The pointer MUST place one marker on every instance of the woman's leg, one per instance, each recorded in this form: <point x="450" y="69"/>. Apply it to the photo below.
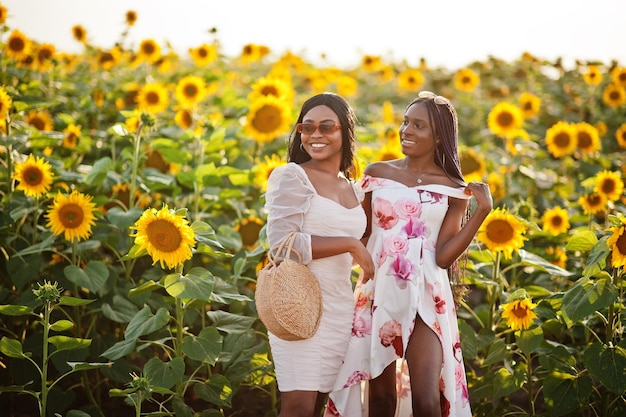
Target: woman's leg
<point x="424" y="358"/>
<point x="382" y="393"/>
<point x="298" y="404"/>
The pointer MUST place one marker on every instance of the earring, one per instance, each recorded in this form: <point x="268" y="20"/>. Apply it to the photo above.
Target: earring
<point x="302" y="147"/>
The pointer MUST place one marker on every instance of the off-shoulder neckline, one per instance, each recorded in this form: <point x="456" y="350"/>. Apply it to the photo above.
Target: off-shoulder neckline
<point x="303" y="171"/>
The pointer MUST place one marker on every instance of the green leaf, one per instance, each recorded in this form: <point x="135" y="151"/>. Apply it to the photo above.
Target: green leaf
<point x="145" y="322"/>
<point x="596" y="261"/>
<point x="226" y="293"/>
<point x="582" y="241"/>
<point x="229" y="322"/>
<point x="85" y="366"/>
<point x="61" y="325"/>
<point x="73" y="301"/>
<point x="608" y="364"/>
<point x="216" y="390"/>
<point x="122" y="310"/>
<point x="120" y="349"/>
<point x="146" y="287"/>
<point x="43" y="246"/>
<point x="497" y="353"/>
<point x="588" y="296"/>
<point x="530" y="259"/>
<point x="164" y="374"/>
<point x="12" y="348"/>
<point x="205" y="347"/>
<point x="69" y="343"/>
<point x="506" y="383"/>
<point x="93" y="277"/>
<point x="196" y="284"/>
<point x="14" y="310"/>
<point x="530" y="339"/>
<point x="123" y="219"/>
<point x="99" y="171"/>
<point x="564" y="392"/>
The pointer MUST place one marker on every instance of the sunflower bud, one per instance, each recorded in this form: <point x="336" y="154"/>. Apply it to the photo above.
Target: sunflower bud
<point x="48" y="292"/>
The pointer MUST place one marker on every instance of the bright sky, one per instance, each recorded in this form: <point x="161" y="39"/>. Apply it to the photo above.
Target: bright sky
<point x="449" y="33"/>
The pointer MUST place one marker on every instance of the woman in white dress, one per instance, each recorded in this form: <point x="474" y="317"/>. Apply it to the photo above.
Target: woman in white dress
<point x="405" y="340"/>
<point x="313" y="195"/>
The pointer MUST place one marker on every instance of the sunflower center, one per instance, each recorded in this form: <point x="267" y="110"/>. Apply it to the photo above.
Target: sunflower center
<point x="269" y="91"/>
<point x="191" y="90"/>
<point x="267" y="119"/>
<point x="500" y="231"/>
<point x="17" y="44"/>
<point x="621" y="243"/>
<point x="152" y="97"/>
<point x="164" y="235"/>
<point x="608" y="186"/>
<point x="557" y="221"/>
<point x="33" y="176"/>
<point x="520" y="311"/>
<point x="148" y="48"/>
<point x="71" y="215"/>
<point x="584" y="140"/>
<point x="38" y="123"/>
<point x="505" y="119"/>
<point x="203" y="52"/>
<point x="562" y="140"/>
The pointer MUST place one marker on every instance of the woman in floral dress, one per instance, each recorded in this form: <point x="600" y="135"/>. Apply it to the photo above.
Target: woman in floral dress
<point x="404" y="356"/>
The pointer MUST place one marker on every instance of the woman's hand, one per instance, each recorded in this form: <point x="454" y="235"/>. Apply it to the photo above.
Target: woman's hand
<point x="481" y="192"/>
<point x="362" y="257"/>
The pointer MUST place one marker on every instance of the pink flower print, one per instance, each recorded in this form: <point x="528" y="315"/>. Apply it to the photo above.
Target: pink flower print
<point x="396" y="245"/>
<point x="355" y="378"/>
<point x="390" y="334"/>
<point x="386" y="216"/>
<point x="415" y="228"/>
<point x="458" y="354"/>
<point x="362" y="323"/>
<point x="429" y="197"/>
<point x="382" y="256"/>
<point x="364" y="183"/>
<point x="406" y="208"/>
<point x="402" y="269"/>
<point x="403" y="381"/>
<point x="438" y="299"/>
<point x="331" y="409"/>
<point x="443" y="401"/>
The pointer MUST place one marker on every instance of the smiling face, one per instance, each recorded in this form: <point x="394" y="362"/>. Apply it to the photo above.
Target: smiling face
<point x="416" y="132"/>
<point x="320" y="145"/>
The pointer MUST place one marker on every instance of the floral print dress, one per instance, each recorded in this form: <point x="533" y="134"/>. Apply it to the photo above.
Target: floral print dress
<point x="408" y="282"/>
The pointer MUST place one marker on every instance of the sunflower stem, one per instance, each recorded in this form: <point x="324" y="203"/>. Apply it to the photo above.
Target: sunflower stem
<point x="494" y="290"/>
<point x="44" y="365"/>
<point x="178" y="348"/>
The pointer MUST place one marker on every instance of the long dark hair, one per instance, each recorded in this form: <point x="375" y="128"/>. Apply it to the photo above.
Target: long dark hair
<point x="347" y="119"/>
<point x="444" y="124"/>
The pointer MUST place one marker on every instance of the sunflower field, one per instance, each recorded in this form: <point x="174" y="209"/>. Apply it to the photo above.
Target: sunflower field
<point x="131" y="223"/>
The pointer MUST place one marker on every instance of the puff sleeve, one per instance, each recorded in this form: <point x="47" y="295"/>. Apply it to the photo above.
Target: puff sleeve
<point x="287" y="200"/>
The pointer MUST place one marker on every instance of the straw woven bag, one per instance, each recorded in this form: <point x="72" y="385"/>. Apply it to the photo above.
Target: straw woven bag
<point x="288" y="295"/>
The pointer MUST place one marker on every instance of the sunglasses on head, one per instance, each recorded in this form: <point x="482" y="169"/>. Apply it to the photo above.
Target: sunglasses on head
<point x="325" y="128"/>
<point x="437" y="99"/>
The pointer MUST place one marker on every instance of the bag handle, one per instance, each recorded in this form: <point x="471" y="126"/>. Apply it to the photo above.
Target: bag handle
<point x="285" y="245"/>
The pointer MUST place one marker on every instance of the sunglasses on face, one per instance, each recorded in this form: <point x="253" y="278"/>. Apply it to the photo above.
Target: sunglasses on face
<point x="430" y="95"/>
<point x="325" y="128"/>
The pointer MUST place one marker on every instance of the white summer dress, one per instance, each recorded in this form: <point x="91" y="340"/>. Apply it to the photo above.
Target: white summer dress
<point x="293" y="204"/>
<point x="405" y="226"/>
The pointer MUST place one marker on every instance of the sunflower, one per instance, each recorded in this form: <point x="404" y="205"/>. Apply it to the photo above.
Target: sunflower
<point x="557" y="256"/>
<point x="519" y="314"/>
<point x="593" y="203"/>
<point x="183" y="118"/>
<point x="502" y="232"/>
<point x="618" y="75"/>
<point x="149" y="51"/>
<point x="249" y="229"/>
<point x="496" y="185"/>
<point x="530" y="105"/>
<point x="129" y="99"/>
<point x="43" y="57"/>
<point x="80" y="34"/>
<point x="505" y="120"/>
<point x="109" y="59"/>
<point x="18" y="46"/>
<point x="410" y="80"/>
<point x="268" y="117"/>
<point x="250" y="53"/>
<point x="617" y="241"/>
<point x="609" y="184"/>
<point x="526" y="209"/>
<point x="587" y="138"/>
<point x="203" y="55"/>
<point x="5" y="104"/>
<point x="620" y="135"/>
<point x="614" y="95"/>
<point x="190" y="90"/>
<point x="601" y="127"/>
<point x="34" y="176"/>
<point x="593" y="76"/>
<point x="472" y="165"/>
<point x="271" y="86"/>
<point x="264" y="169"/>
<point x="466" y="80"/>
<point x="371" y="63"/>
<point x="72" y="133"/>
<point x="153" y="98"/>
<point x="347" y="86"/>
<point x="3" y="14"/>
<point x="386" y="73"/>
<point x="72" y="215"/>
<point x="561" y="139"/>
<point x="166" y="236"/>
<point x="40" y="120"/>
<point x="131" y="17"/>
<point x="555" y="221"/>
